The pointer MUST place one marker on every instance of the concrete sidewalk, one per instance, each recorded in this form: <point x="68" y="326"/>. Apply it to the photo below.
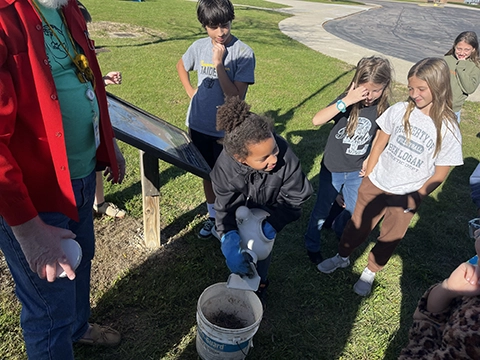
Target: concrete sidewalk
<point x="306" y="26"/>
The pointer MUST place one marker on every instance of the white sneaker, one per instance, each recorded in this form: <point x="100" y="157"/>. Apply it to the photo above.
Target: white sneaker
<point x="363" y="286"/>
<point x="206" y="230"/>
<point x="330" y="265"/>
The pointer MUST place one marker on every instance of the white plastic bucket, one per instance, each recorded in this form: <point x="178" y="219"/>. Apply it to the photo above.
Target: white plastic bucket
<point x="219" y="343"/>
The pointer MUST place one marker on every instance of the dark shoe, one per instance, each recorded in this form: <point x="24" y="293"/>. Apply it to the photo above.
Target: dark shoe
<point x="101" y="336"/>
<point x="262" y="293"/>
<point x="206" y="230"/>
<point x="315" y="257"/>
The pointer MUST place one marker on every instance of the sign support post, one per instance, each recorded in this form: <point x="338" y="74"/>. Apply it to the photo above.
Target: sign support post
<point x="150" y="174"/>
<point x="156" y="139"/>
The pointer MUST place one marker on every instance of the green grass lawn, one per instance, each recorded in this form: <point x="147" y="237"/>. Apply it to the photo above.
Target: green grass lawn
<point x="310" y="315"/>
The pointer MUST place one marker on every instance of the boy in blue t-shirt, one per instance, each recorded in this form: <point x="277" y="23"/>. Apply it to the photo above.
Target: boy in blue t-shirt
<point x="225" y="67"/>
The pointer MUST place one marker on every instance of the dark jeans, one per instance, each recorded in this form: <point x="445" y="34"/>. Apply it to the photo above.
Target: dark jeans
<point x="55" y="314"/>
<point x="329" y="185"/>
<point x="207" y="145"/>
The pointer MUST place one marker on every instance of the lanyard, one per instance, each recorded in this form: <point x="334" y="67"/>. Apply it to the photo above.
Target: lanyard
<point x="84" y="72"/>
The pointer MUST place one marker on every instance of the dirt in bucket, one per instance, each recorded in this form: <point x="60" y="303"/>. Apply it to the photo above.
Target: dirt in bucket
<point x="228" y="321"/>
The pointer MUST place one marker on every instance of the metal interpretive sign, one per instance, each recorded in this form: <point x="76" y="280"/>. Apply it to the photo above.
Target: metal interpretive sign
<point x="155" y="136"/>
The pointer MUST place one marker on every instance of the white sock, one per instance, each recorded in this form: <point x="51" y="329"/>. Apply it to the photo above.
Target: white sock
<point x="344" y="258"/>
<point x="211" y="210"/>
<point x="368" y="275"/>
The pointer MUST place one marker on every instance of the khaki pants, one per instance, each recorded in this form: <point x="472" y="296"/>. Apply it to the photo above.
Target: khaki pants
<point x="373" y="204"/>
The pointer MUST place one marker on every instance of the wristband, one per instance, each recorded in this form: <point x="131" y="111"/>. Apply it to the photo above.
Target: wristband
<point x="341" y="106"/>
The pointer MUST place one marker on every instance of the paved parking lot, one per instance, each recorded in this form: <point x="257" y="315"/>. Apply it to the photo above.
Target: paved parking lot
<point x="407" y="31"/>
<point x="403" y="32"/>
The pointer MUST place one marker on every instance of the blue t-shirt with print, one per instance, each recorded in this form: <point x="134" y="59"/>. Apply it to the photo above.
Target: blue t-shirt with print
<point x="239" y="65"/>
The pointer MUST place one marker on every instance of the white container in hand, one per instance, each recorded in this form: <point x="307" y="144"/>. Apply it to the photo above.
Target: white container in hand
<point x="73" y="252"/>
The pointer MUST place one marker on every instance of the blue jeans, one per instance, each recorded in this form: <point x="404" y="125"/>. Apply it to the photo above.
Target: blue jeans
<point x="329" y="186"/>
<point x="54" y="315"/>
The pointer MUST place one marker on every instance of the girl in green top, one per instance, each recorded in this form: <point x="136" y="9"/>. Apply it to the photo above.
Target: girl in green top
<point x="464" y="63"/>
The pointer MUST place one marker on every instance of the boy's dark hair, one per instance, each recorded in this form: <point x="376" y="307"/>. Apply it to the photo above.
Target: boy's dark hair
<point x="212" y="13"/>
<point x="242" y="127"/>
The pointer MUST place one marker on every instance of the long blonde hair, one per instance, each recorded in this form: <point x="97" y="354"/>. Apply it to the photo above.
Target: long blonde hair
<point x="470" y="37"/>
<point x="377" y="70"/>
<point x="435" y="72"/>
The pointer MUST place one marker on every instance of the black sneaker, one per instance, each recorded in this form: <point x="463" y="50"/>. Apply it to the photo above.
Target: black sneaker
<point x="262" y="293"/>
<point x="315" y="257"/>
<point x="206" y="230"/>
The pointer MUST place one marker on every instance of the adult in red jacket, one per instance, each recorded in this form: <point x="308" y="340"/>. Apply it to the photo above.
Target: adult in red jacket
<point x="54" y="131"/>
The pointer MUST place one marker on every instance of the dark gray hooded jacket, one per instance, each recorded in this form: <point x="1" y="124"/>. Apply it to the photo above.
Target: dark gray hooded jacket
<point x="280" y="192"/>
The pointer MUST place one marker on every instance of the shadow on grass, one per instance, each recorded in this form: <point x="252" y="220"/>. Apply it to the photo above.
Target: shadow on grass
<point x="310" y="315"/>
<point x="312" y="142"/>
<point x="157" y="40"/>
<point x="282" y="119"/>
<point x="433" y="247"/>
<point x="122" y="197"/>
<point x="254" y="29"/>
<point x="430" y="250"/>
<point x="154" y="304"/>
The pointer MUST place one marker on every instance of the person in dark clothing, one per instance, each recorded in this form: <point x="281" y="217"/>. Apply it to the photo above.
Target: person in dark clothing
<point x="256" y="169"/>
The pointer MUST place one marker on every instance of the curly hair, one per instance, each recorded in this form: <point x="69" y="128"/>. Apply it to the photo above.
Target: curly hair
<point x="242" y="127"/>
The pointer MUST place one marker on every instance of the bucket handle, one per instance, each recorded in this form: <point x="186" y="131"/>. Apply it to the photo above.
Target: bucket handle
<point x="239" y="347"/>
